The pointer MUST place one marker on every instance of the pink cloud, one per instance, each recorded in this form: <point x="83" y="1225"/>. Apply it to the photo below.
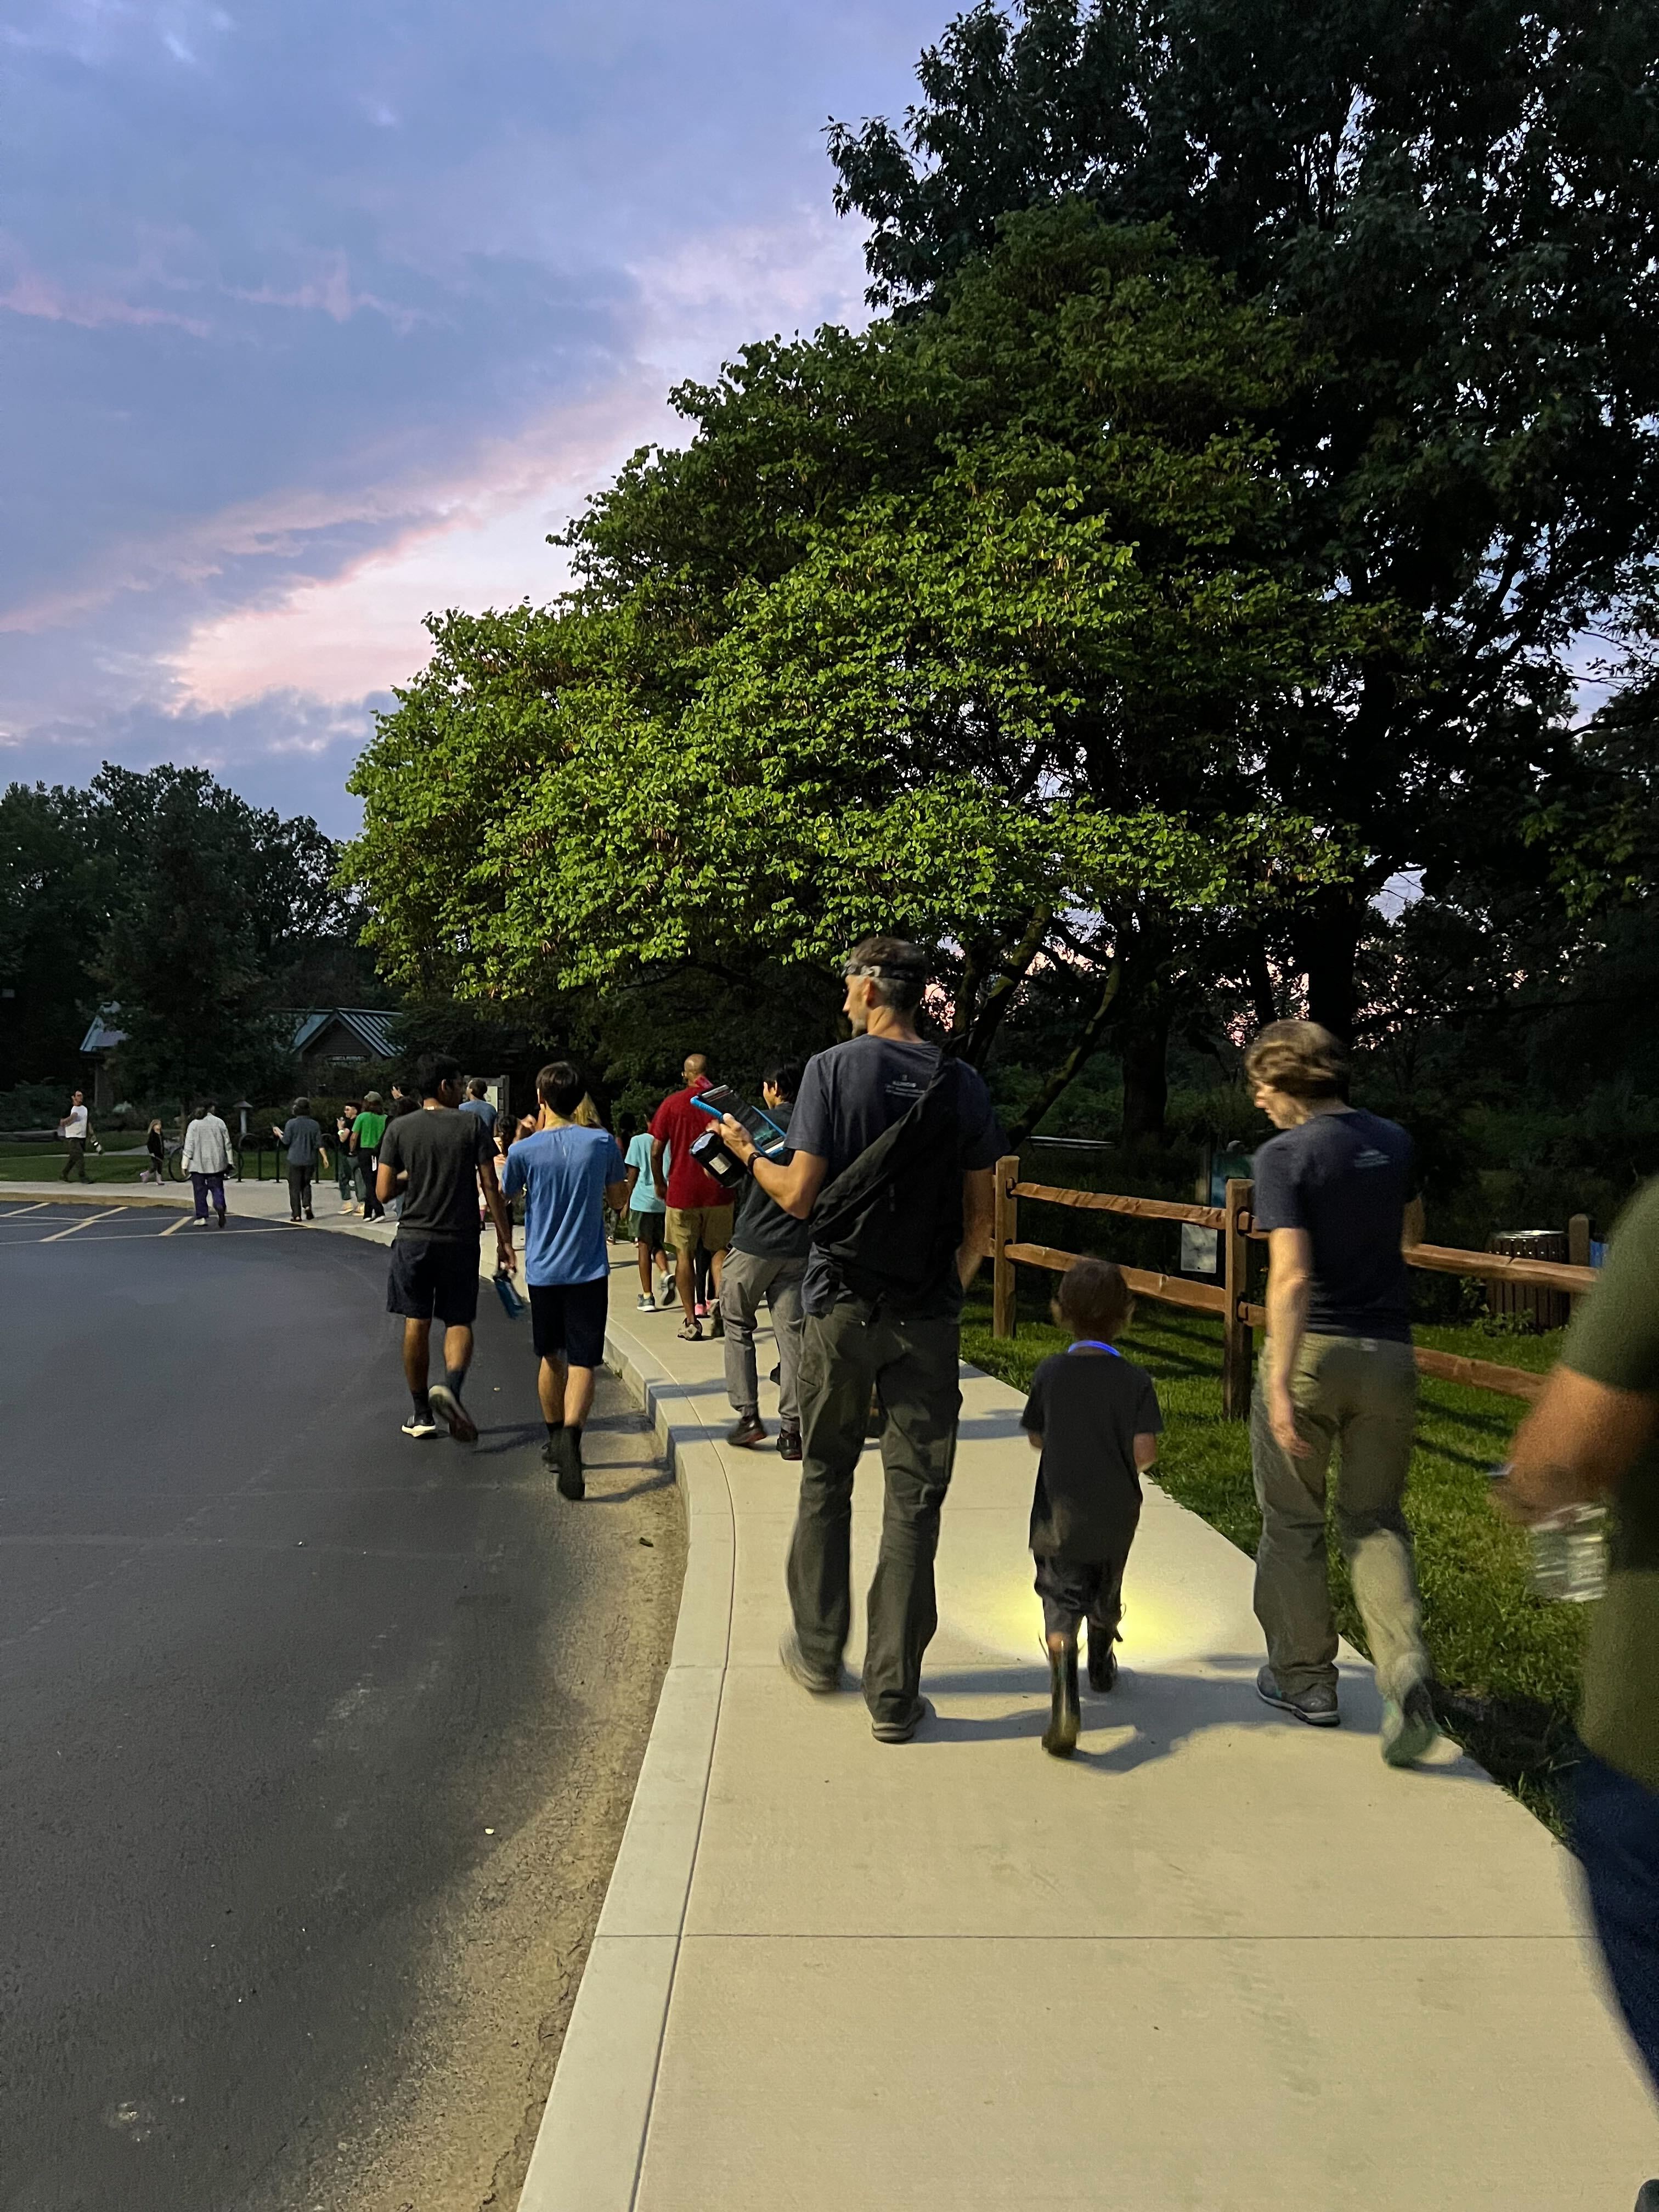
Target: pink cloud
<point x="331" y="293"/>
<point x="29" y="292"/>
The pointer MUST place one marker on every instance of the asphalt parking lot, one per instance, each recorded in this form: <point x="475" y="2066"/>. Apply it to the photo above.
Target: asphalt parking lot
<point x="315" y="1742"/>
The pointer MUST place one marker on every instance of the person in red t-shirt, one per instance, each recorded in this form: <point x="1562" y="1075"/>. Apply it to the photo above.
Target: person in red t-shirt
<point x="698" y="1209"/>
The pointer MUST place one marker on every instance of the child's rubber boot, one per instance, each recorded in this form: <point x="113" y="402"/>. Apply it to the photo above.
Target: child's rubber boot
<point x="1060" y="1740"/>
<point x="1102" y="1659"/>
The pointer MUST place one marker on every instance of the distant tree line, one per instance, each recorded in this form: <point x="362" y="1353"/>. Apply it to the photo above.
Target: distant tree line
<point x="202" y="918"/>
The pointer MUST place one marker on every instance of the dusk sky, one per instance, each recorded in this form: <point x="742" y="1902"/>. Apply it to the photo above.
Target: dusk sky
<point x="318" y="317"/>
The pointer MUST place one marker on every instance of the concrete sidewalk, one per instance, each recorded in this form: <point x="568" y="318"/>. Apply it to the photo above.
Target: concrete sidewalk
<point x="1218" y="1960"/>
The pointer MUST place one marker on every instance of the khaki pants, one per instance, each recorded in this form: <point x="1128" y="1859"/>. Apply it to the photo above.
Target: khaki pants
<point x="1358" y="1395"/>
<point x="913" y="1365"/>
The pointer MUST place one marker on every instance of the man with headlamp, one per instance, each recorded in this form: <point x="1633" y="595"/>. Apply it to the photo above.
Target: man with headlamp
<point x="894" y="1147"/>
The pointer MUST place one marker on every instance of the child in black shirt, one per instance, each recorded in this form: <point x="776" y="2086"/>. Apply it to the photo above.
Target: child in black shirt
<point x="1095" y="1419"/>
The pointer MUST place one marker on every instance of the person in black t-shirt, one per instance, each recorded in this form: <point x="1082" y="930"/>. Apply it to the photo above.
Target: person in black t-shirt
<point x="1335" y="1192"/>
<point x="850" y="1096"/>
<point x="766" y="1260"/>
<point x="1095" y="1418"/>
<point x="439" y="1159"/>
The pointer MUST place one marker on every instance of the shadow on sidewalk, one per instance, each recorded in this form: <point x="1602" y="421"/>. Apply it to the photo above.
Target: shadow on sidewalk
<point x="1163" y="1710"/>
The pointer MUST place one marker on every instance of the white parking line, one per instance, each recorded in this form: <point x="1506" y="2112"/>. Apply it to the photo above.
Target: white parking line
<point x="183" y="1222"/>
<point x="12" y="1211"/>
<point x="58" y="1235"/>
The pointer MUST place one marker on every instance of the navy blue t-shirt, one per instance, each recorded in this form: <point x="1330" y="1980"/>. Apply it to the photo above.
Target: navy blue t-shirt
<point x="853" y="1094"/>
<point x="1345" y="1178"/>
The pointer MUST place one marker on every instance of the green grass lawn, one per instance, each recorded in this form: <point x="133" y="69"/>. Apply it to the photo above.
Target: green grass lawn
<point x="1506" y="1665"/>
<point x="41" y="1162"/>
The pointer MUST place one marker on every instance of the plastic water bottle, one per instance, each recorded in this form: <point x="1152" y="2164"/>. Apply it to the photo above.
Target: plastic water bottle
<point x="1570" y="1553"/>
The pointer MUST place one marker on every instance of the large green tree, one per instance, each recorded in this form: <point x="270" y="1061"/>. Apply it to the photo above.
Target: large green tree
<point x="975" y="627"/>
<point x="1460" y="207"/>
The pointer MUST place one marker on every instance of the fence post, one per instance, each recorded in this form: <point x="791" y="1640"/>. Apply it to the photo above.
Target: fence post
<point x="1004" y="1233"/>
<point x="1236" y="1342"/>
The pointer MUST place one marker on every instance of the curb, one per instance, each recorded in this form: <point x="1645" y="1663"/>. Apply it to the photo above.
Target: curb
<point x="591" y="2142"/>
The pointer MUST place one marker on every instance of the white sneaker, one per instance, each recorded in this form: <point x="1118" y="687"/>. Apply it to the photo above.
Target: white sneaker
<point x="647" y="1303"/>
<point x="670" y="1296"/>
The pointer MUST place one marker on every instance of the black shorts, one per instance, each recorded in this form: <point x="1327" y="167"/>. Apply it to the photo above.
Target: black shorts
<point x="647" y="1229"/>
<point x="567" y="1320"/>
<point x="434" y="1278"/>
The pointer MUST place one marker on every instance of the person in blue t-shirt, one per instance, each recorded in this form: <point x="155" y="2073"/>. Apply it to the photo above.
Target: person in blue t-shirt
<point x="647" y="1220"/>
<point x="568" y="1175"/>
<point x="1336" y="1193"/>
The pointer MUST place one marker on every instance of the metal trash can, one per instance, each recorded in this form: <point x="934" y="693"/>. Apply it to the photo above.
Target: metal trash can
<point x="1548" y="1308"/>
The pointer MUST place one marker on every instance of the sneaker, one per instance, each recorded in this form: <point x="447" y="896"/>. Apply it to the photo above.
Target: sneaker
<point x="563" y="1454"/>
<point x="200" y="1222"/>
<point x="1060" y="1737"/>
<point x="901" y="1731"/>
<point x="645" y="1302"/>
<point x="749" y="1429"/>
<point x="1103" y="1662"/>
<point x="419" y="1425"/>
<point x="222" y="1221"/>
<point x="449" y="1409"/>
<point x="716" y="1322"/>
<point x="820" y="1681"/>
<point x="1409" y="1729"/>
<point x="788" y="1443"/>
<point x="701" y="1308"/>
<point x="670" y="1296"/>
<point x="1647" y="2197"/>
<point x="1316" y="1707"/>
<point x="692" y="1333"/>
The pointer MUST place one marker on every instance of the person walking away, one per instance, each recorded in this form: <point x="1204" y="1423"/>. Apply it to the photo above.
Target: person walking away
<point x="697" y="1207"/>
<point x="344" y="1165"/>
<point x="301" y="1139"/>
<point x="1334" y="1191"/>
<point x="366" y="1132"/>
<point x="766" y="1260"/>
<point x="1095" y="1419"/>
<point x="646" y="1223"/>
<point x="477" y="1101"/>
<point x="75" y="1128"/>
<point x="440" y="1157"/>
<point x="156" y="1144"/>
<point x="568" y="1175"/>
<point x="894" y="1153"/>
<point x="205" y="1157"/>
<point x="1591" y="1438"/>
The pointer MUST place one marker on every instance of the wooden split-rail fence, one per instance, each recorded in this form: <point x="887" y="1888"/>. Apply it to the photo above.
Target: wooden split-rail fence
<point x="1227" y="1299"/>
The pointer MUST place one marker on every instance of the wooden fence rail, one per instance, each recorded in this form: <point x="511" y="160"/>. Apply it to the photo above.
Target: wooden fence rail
<point x="1227" y="1299"/>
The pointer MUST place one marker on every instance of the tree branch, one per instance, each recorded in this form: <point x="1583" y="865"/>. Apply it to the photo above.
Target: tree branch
<point x="1074" y="1062"/>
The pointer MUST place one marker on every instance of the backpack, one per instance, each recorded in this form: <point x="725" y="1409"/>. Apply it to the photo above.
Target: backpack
<point x="890" y="1223"/>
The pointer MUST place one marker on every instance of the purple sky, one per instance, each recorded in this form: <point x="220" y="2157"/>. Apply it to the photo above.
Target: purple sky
<point x="316" y="317"/>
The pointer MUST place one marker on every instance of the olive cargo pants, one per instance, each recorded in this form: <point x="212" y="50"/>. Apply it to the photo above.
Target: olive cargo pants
<point x="1358" y="1395"/>
<point x="913" y="1366"/>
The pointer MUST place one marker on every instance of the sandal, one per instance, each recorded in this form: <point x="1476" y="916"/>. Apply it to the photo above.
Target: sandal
<point x="692" y="1333"/>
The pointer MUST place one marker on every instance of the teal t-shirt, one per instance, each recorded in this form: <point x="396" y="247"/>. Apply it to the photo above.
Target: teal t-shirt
<point x="646" y="1198"/>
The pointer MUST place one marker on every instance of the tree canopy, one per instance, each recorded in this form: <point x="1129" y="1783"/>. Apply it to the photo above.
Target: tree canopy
<point x="968" y="628"/>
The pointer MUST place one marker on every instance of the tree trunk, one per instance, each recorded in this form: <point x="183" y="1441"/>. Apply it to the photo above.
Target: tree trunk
<point x="1145" y="1053"/>
<point x="1261" y="983"/>
<point x="1327" y="943"/>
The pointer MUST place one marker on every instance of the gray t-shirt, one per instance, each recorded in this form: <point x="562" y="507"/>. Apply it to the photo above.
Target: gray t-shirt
<point x="849" y="1096"/>
<point x="442" y="1153"/>
<point x="1346" y="1179"/>
<point x="302" y="1140"/>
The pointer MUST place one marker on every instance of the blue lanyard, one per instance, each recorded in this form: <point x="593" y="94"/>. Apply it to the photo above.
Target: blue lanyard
<point x="1094" y="1343"/>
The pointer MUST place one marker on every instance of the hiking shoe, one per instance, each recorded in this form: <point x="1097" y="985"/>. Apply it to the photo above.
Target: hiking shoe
<point x="1316" y="1707"/>
<point x="819" y="1681"/>
<point x="749" y="1429"/>
<point x="449" y="1409"/>
<point x="788" y="1443"/>
<point x="1102" y="1660"/>
<point x="419" y="1425"/>
<point x="901" y="1731"/>
<point x="646" y="1302"/>
<point x="1409" y="1729"/>
<point x="1060" y="1737"/>
<point x="564" y="1455"/>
